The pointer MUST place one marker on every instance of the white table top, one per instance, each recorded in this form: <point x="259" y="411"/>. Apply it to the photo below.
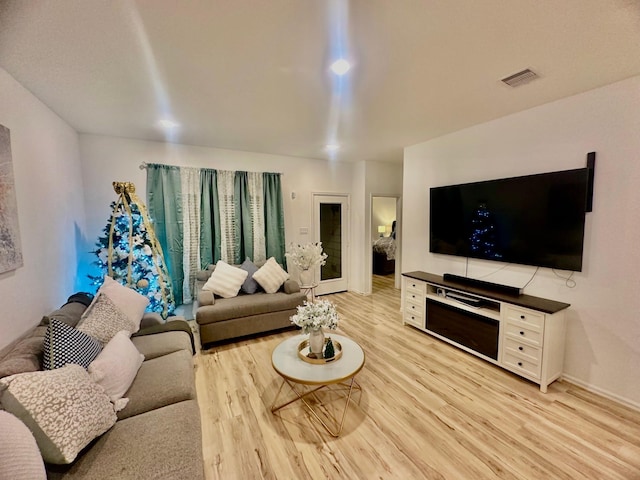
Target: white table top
<point x="286" y="362"/>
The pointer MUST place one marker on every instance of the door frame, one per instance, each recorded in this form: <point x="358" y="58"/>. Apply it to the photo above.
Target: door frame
<point x="324" y="286"/>
<point x="398" y="262"/>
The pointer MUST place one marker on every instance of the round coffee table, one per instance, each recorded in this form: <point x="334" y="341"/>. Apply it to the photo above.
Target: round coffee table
<point x="339" y="373"/>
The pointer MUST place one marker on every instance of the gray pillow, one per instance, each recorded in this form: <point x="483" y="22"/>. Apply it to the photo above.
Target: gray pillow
<point x="249" y="286"/>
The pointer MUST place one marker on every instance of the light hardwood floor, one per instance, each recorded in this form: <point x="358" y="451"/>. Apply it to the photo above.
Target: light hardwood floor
<point x="426" y="410"/>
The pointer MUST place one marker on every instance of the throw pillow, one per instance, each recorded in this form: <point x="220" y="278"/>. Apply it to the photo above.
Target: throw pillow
<point x="225" y="280"/>
<point x="64" y="409"/>
<point x="19" y="455"/>
<point x="271" y="276"/>
<point x="102" y="320"/>
<point x="130" y="302"/>
<point x="64" y="344"/>
<point x="116" y="367"/>
<point x="249" y="286"/>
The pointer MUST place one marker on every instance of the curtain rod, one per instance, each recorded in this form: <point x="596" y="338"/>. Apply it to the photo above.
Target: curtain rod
<point x="144" y="165"/>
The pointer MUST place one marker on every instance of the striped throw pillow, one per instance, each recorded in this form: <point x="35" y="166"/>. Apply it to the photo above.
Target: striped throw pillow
<point x="271" y="276"/>
<point x="225" y="281"/>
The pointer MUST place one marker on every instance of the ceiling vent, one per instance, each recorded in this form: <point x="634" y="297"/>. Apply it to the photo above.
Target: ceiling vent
<point x="520" y="78"/>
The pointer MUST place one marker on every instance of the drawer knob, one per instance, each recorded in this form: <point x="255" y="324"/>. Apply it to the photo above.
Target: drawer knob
<point x="519" y="364"/>
<point x="521" y="348"/>
<point x="413" y="296"/>
<point x="521" y="333"/>
<point x="522" y="317"/>
<point x="413" y="307"/>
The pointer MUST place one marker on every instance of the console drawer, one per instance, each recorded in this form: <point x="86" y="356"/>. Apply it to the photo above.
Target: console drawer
<point x="520" y="365"/>
<point x="413" y="297"/>
<point x="522" y="350"/>
<point x="524" y="317"/>
<point x="413" y="319"/>
<point x="523" y="334"/>
<point x="415" y="287"/>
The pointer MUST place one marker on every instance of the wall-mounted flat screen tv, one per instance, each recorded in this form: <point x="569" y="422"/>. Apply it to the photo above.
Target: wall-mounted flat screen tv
<point x="531" y="220"/>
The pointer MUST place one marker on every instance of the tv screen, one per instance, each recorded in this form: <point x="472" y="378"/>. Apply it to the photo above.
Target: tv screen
<point x="532" y="220"/>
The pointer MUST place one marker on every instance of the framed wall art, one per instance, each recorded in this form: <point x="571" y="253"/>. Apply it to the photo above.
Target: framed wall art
<point x="10" y="246"/>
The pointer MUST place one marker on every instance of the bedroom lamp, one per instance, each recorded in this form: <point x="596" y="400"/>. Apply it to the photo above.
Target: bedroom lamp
<point x="381" y="230"/>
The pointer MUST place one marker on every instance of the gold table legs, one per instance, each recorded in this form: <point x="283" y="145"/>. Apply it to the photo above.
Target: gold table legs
<point x="335" y="432"/>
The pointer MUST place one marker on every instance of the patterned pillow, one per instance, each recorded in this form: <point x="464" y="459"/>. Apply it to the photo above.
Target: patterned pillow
<point x="64" y="409"/>
<point x="271" y="276"/>
<point x="102" y="320"/>
<point x="249" y="286"/>
<point x="64" y="344"/>
<point x="225" y="281"/>
<point x="128" y="301"/>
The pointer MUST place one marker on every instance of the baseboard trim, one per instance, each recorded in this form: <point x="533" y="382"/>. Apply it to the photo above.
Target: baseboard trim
<point x="600" y="391"/>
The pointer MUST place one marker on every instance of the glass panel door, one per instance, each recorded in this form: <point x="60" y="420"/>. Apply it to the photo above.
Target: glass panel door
<point x="330" y="225"/>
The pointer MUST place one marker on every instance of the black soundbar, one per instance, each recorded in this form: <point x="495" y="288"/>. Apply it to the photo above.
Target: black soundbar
<point x="472" y="282"/>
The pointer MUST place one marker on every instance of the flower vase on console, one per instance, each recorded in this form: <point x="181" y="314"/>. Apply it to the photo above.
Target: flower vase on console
<point x="316" y="342"/>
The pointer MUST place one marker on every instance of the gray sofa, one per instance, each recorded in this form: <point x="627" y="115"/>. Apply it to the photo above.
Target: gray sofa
<point x="227" y="318"/>
<point x="158" y="433"/>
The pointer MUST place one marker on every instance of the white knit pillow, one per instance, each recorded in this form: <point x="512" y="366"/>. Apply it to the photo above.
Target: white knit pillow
<point x="225" y="281"/>
<point x="20" y="458"/>
<point x="271" y="276"/>
<point x="115" y="368"/>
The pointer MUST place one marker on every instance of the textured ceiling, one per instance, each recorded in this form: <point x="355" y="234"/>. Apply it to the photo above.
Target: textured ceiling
<point x="253" y="74"/>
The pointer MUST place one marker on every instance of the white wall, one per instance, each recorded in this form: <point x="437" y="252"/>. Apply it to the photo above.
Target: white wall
<point x="48" y="183"/>
<point x="603" y="336"/>
<point x="106" y="159"/>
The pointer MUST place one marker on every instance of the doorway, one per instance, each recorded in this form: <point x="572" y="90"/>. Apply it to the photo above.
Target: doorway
<point x="385" y="238"/>
<point x="331" y="227"/>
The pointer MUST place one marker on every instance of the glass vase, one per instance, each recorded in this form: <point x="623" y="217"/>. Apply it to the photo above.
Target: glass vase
<point x="316" y="342"/>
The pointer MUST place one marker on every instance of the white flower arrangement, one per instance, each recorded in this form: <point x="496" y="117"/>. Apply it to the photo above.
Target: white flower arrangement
<point x="306" y="256"/>
<point x="312" y="316"/>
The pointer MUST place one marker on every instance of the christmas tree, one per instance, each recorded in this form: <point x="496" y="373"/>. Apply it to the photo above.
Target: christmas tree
<point x="129" y="252"/>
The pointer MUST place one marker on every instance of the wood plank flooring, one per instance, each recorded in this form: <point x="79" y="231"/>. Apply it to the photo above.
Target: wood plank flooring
<point x="426" y="411"/>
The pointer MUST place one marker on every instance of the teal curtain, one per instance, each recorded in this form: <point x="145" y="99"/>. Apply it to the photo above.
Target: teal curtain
<point x="209" y="218"/>
<point x="274" y="217"/>
<point x="164" y="201"/>
<point x="243" y="213"/>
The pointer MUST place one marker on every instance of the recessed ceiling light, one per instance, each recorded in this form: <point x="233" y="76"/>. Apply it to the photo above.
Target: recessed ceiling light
<point x="340" y="67"/>
<point x="332" y="147"/>
<point x="167" y="124"/>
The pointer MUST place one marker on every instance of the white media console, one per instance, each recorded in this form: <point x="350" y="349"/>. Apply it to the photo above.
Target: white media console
<point x="520" y="333"/>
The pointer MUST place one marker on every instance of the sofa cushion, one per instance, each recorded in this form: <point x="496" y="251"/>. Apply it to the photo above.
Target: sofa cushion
<point x="149" y="389"/>
<point x="116" y="367"/>
<point x="162" y="444"/>
<point x="103" y="319"/>
<point x="64" y="344"/>
<point x="63" y="408"/>
<point x="250" y="286"/>
<point x="153" y="346"/>
<point x="248" y="305"/>
<point x="225" y="280"/>
<point x="20" y="458"/>
<point x="25" y="356"/>
<point x="271" y="276"/>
